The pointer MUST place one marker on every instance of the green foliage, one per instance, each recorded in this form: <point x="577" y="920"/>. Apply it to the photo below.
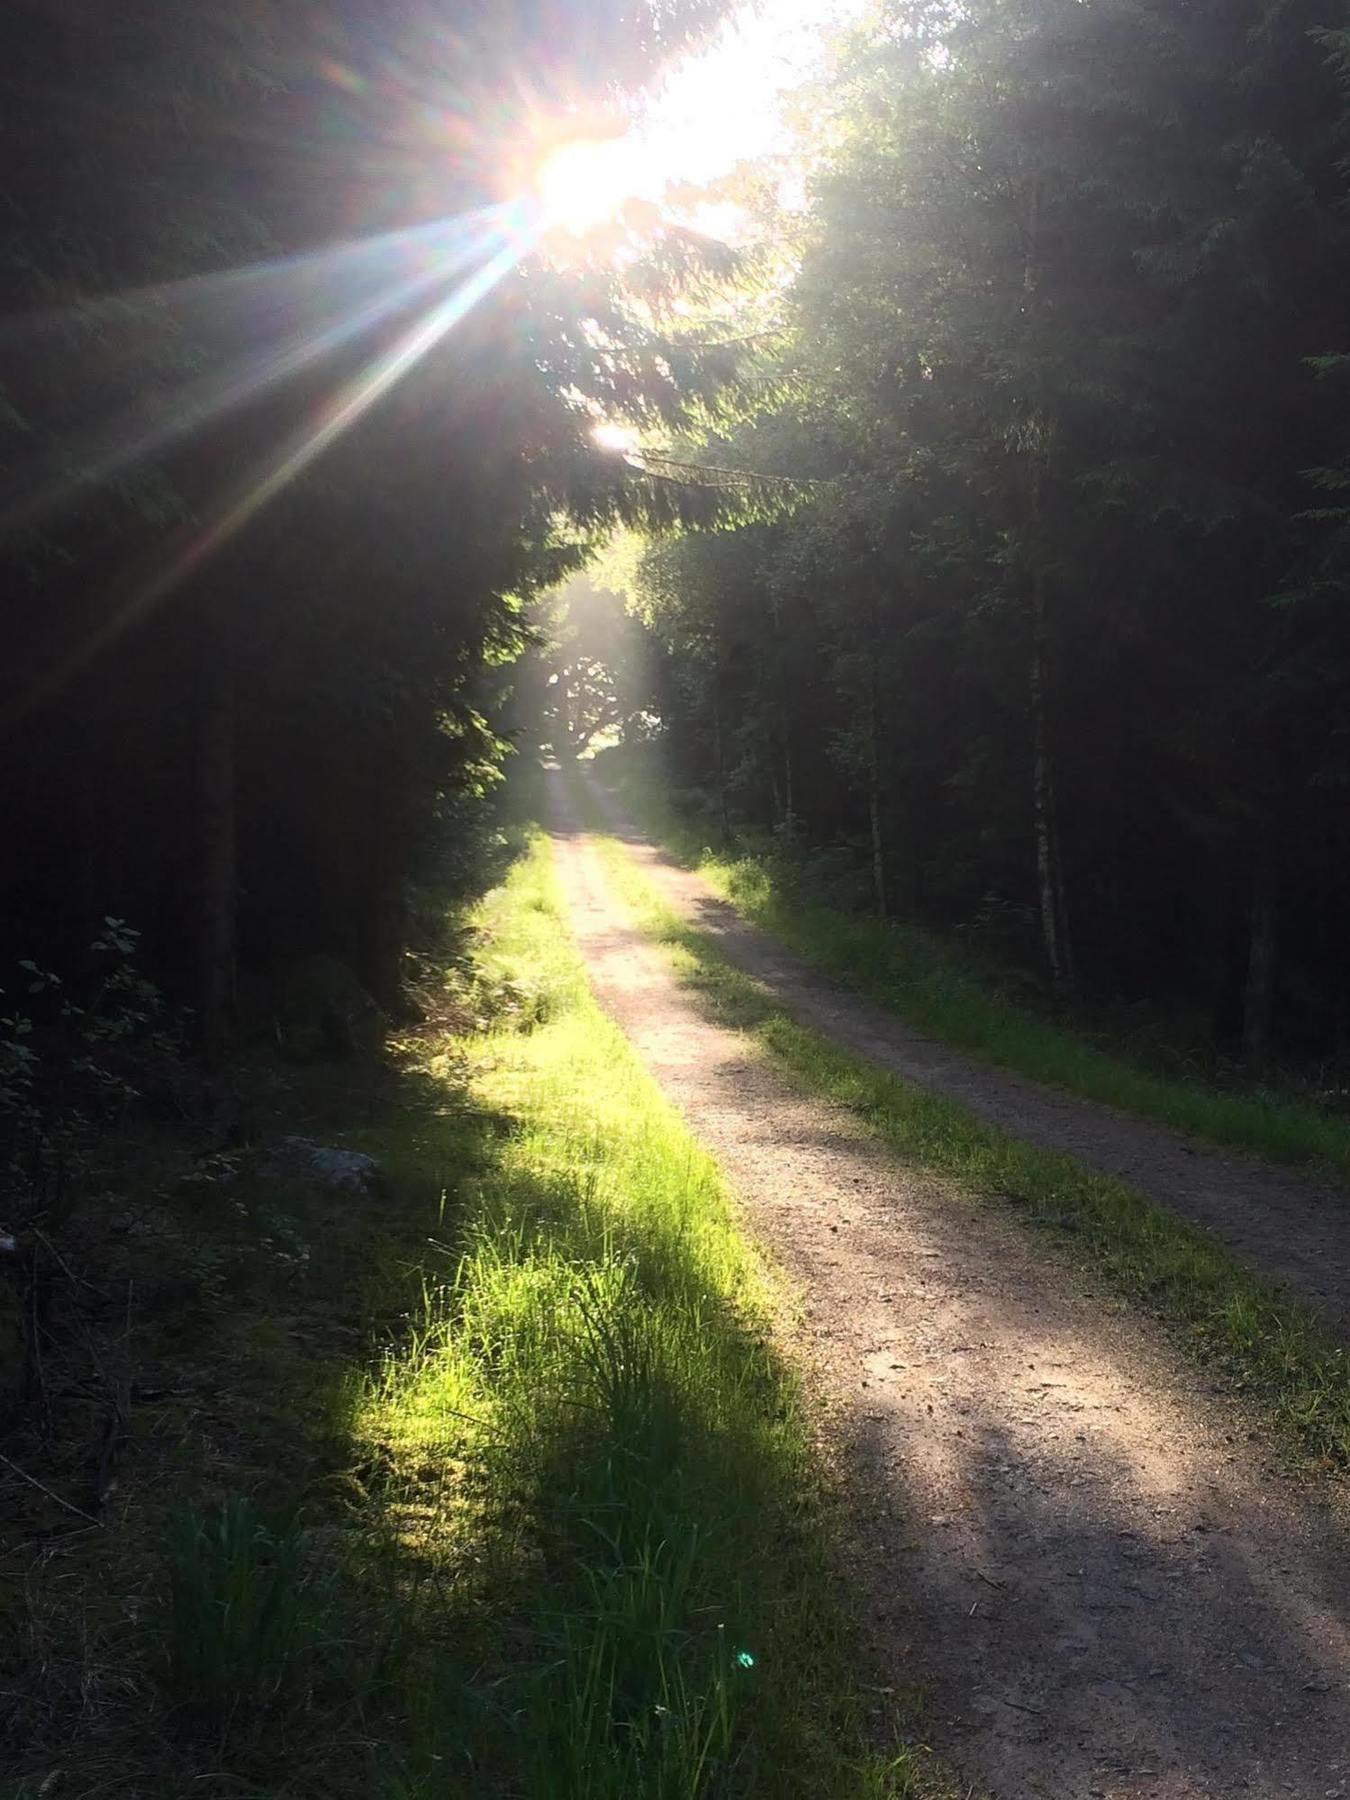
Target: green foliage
<point x="588" y="678"/>
<point x="206" y="252"/>
<point x="1056" y="625"/>
<point x="70" y="1054"/>
<point x="968" y="994"/>
<point x="597" y="1365"/>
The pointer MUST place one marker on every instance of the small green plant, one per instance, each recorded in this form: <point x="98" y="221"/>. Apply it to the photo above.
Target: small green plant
<point x="65" y="1067"/>
<point x="628" y="1709"/>
<point x="241" y="1617"/>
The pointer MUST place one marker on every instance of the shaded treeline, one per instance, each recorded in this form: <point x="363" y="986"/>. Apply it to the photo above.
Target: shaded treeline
<point x="1055" y="639"/>
<point x="244" y="752"/>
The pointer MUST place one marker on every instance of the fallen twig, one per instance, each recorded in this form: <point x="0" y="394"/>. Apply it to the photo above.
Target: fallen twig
<point x="50" y="1543"/>
<point x="74" y="1279"/>
<point x="42" y="1488"/>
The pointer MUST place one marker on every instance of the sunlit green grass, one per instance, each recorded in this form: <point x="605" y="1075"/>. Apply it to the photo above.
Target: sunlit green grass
<point x="934" y="987"/>
<point x="1268" y="1344"/>
<point x="631" y="1483"/>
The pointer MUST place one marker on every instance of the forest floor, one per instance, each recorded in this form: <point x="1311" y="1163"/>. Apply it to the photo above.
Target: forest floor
<point x="1099" y="1561"/>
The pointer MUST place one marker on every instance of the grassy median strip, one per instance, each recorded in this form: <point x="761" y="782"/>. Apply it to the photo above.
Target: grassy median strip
<point x="1268" y="1344"/>
<point x="625" y="1472"/>
<point x="934" y="987"/>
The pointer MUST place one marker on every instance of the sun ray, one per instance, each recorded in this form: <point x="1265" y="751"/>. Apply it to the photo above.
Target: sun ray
<point x="278" y="279"/>
<point x="354" y="399"/>
<point x="441" y="250"/>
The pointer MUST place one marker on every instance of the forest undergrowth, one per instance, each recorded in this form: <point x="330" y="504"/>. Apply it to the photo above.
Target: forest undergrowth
<point x="490" y="1484"/>
<point x="972" y="1003"/>
<point x="1266" y="1344"/>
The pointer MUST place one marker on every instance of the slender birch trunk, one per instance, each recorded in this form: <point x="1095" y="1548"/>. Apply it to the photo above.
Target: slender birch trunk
<point x="1047" y="877"/>
<point x="1259" y="997"/>
<point x="878" y="849"/>
<point x="874" y="778"/>
<point x="1049" y="862"/>
<point x="1049" y="872"/>
<point x="719" y="754"/>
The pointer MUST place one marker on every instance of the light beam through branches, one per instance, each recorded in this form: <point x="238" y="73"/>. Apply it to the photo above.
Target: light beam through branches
<point x="351" y="288"/>
<point x="514" y="234"/>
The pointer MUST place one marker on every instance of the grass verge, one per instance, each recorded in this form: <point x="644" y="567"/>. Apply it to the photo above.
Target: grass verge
<point x="1267" y="1344"/>
<point x="596" y="1359"/>
<point x="931" y="985"/>
<point x="565" y="1536"/>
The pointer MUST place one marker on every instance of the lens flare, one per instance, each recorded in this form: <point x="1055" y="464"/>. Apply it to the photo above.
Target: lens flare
<point x="584" y="183"/>
<point x="511" y="242"/>
<point x="347" y="291"/>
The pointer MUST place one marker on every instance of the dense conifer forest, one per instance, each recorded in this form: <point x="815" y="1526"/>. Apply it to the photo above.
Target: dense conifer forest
<point x="1038" y="616"/>
<point x="253" y="633"/>
<point x="1052" y="636"/>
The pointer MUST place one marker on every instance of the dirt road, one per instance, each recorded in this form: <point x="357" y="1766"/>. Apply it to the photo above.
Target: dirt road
<point x="1087" y="1558"/>
<point x="1283" y="1224"/>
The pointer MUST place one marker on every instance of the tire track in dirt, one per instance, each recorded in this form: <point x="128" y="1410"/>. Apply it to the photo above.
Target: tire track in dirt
<point x="1285" y="1226"/>
<point x="1090" y="1560"/>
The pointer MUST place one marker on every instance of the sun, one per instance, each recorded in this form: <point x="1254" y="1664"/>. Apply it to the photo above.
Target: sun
<point x="584" y="183"/>
<point x="619" y="440"/>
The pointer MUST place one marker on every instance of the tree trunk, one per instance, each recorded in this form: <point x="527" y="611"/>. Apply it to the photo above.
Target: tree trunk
<point x="874" y="786"/>
<point x="878" y="849"/>
<point x="216" y="823"/>
<point x="381" y="914"/>
<point x="563" y="748"/>
<point x="719" y="754"/>
<point x="1049" y="877"/>
<point x="1259" y="998"/>
<point x="382" y="932"/>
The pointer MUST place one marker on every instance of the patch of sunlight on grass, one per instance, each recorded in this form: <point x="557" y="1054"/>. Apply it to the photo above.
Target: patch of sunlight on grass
<point x="589" y="1437"/>
<point x="1267" y="1343"/>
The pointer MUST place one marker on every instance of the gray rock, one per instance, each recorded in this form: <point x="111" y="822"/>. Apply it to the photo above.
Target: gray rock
<point x="348" y="1171"/>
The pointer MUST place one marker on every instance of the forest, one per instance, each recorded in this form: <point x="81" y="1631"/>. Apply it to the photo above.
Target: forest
<point x="675" y="700"/>
<point x="1046" y="637"/>
<point x="1035" y="607"/>
<point x="212" y="268"/>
